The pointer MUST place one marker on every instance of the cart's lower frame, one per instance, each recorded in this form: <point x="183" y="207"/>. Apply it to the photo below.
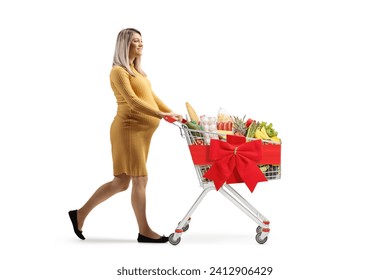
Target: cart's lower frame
<point x="233" y="196"/>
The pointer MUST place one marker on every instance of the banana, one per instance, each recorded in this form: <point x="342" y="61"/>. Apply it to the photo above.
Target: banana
<point x="275" y="139"/>
<point x="260" y="134"/>
<point x="263" y="134"/>
<point x="264" y="131"/>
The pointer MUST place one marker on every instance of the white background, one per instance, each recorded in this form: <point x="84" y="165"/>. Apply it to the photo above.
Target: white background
<point x="318" y="70"/>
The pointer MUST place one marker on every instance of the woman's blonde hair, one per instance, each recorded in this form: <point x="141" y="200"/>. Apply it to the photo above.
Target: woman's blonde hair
<point x="122" y="48"/>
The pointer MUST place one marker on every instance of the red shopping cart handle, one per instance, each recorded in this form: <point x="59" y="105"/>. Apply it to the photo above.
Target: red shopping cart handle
<point x="172" y="119"/>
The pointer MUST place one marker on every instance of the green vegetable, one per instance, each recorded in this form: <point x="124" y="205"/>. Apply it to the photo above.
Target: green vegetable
<point x="192" y="125"/>
<point x="271" y="131"/>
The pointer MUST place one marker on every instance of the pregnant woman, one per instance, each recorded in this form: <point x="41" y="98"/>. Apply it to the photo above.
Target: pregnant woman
<point x="138" y="116"/>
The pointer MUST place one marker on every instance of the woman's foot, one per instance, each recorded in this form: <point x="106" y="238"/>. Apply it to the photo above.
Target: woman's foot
<point x="150" y="236"/>
<point x="73" y="218"/>
<point x="144" y="239"/>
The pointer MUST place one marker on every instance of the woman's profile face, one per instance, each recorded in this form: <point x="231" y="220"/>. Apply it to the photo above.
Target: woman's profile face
<point x="136" y="45"/>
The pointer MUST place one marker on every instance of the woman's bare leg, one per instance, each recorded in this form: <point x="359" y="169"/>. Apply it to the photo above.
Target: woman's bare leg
<point x="118" y="184"/>
<point x="138" y="201"/>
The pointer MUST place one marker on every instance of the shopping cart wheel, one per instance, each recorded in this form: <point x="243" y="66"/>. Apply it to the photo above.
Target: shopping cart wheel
<point x="172" y="241"/>
<point x="259" y="229"/>
<point x="259" y="240"/>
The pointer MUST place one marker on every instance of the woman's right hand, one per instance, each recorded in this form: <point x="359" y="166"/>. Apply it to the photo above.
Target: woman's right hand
<point x="173" y="115"/>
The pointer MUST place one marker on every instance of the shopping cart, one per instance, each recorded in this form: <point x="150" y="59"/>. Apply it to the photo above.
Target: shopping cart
<point x="201" y="147"/>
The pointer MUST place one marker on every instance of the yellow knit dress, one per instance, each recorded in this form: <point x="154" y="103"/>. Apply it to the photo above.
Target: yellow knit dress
<point x="135" y="122"/>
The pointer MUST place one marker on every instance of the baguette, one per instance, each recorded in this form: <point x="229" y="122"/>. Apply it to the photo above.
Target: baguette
<point x="192" y="114"/>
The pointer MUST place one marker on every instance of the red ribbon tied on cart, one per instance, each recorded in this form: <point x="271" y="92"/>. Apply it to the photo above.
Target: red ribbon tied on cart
<point x="232" y="160"/>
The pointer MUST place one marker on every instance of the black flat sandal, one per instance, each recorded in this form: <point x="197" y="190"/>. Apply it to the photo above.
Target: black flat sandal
<point x="144" y="239"/>
<point x="73" y="218"/>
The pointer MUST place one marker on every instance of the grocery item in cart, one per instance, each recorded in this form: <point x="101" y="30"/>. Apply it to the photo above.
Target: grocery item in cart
<point x="224" y="123"/>
<point x="192" y="114"/>
<point x="209" y="125"/>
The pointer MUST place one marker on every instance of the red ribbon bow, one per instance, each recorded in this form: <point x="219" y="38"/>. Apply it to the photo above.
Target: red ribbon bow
<point x="231" y="160"/>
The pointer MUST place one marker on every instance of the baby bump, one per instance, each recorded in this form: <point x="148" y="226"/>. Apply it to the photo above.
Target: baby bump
<point x="135" y="124"/>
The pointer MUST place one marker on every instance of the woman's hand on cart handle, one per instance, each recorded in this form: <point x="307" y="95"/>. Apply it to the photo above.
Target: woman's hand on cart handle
<point x="171" y="116"/>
